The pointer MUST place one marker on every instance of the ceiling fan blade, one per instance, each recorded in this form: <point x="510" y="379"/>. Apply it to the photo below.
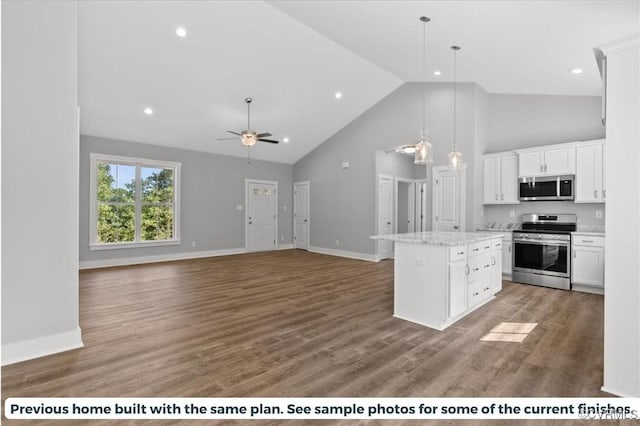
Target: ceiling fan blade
<point x="263" y="135"/>
<point x="234" y="133"/>
<point x="227" y="139"/>
<point x="268" y="140"/>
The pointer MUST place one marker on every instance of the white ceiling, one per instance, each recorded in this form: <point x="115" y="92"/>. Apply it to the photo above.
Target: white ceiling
<point x="292" y="56"/>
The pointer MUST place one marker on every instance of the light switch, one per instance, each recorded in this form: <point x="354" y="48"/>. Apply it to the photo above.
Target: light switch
<point x="239" y="207"/>
<point x="599" y="214"/>
<point x="419" y="261"/>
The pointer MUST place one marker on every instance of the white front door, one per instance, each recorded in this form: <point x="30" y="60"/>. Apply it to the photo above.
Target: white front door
<point x="261" y="215"/>
<point x="301" y="215"/>
<point x="385" y="214"/>
<point x="448" y="199"/>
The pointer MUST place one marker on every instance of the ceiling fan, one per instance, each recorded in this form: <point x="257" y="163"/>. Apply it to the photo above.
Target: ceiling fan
<point x="250" y="137"/>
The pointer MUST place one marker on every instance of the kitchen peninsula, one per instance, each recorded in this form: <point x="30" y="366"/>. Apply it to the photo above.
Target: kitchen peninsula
<point x="440" y="277"/>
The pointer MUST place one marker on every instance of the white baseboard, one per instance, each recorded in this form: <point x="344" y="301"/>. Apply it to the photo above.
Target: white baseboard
<point x="617" y="393"/>
<point x="41" y="346"/>
<point x="343" y="253"/>
<point x="587" y="289"/>
<point x="285" y="247"/>
<point x="90" y="264"/>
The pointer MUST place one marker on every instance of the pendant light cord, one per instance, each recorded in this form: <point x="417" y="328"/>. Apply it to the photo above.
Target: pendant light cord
<point x="455" y="94"/>
<point x="424" y="75"/>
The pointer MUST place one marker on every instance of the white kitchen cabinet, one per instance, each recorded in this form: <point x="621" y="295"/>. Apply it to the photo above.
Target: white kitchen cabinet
<point x="547" y="161"/>
<point x="497" y="248"/>
<point x="590" y="187"/>
<point x="507" y="260"/>
<point x="501" y="178"/>
<point x="587" y="261"/>
<point x="457" y="287"/>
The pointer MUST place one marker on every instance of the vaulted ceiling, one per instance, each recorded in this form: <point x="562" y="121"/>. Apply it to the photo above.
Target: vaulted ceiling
<point x="293" y="56"/>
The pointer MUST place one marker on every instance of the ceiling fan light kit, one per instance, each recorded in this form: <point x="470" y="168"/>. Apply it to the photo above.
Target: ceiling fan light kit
<point x="250" y="137"/>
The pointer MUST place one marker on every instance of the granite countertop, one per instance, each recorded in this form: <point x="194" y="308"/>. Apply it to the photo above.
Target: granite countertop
<point x="596" y="230"/>
<point x="500" y="227"/>
<point x="439" y="238"/>
<point x="595" y="234"/>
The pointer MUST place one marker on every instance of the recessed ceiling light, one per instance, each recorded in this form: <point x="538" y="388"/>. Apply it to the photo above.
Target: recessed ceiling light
<point x="436" y="72"/>
<point x="576" y="71"/>
<point x="148" y="111"/>
<point x="338" y="95"/>
<point x="285" y="140"/>
<point x="181" y="32"/>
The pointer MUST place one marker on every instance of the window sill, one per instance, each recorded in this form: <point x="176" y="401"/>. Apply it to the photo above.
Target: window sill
<point x="112" y="246"/>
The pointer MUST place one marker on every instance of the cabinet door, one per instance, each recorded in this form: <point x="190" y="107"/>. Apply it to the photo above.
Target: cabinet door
<point x="509" y="179"/>
<point x="588" y="266"/>
<point x="531" y="164"/>
<point x="496" y="270"/>
<point x="604" y="172"/>
<point x="561" y="161"/>
<point x="457" y="288"/>
<point x="589" y="174"/>
<point x="506" y="257"/>
<point x="492" y="180"/>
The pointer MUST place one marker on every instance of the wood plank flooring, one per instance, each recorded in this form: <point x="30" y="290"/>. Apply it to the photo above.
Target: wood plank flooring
<point x="292" y="323"/>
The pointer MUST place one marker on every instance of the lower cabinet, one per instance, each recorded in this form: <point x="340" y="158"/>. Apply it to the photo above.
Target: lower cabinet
<point x="587" y="261"/>
<point x="457" y="287"/>
<point x="497" y="255"/>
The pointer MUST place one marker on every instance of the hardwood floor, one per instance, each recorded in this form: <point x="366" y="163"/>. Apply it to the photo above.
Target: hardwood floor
<point x="292" y="323"/>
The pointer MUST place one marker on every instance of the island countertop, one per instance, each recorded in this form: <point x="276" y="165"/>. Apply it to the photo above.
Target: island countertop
<point x="439" y="238"/>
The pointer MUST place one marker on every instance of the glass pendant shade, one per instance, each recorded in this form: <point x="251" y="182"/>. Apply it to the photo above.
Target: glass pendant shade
<point x="455" y="159"/>
<point x="424" y="150"/>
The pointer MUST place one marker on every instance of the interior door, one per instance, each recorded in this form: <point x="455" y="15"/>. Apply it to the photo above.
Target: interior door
<point x="385" y="215"/>
<point x="301" y="215"/>
<point x="448" y="199"/>
<point x="261" y="216"/>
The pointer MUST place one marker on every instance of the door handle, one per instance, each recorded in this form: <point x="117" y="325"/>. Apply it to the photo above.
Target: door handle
<point x="502" y="197"/>
<point x="305" y="221"/>
<point x="250" y="222"/>
<point x="455" y="226"/>
<point x="493" y="260"/>
<point x="466" y="269"/>
<point x="604" y="194"/>
<point x="595" y="193"/>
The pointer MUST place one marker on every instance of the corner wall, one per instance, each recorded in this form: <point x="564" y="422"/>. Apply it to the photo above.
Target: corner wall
<point x="39" y="179"/>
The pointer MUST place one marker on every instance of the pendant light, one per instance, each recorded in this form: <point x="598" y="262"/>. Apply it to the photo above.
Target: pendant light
<point x="424" y="149"/>
<point x="455" y="156"/>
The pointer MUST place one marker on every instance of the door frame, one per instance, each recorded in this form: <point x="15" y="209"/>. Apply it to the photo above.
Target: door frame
<point x="308" y="183"/>
<point x="395" y="200"/>
<point x="377" y="212"/>
<point x="246" y="210"/>
<point x="462" y="200"/>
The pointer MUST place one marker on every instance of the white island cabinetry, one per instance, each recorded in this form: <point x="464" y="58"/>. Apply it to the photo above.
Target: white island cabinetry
<point x="440" y="277"/>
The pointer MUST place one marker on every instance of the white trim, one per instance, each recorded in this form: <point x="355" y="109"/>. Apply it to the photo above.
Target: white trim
<point x="41" y="346"/>
<point x="295" y="240"/>
<point x="348" y="254"/>
<point x="124" y="261"/>
<point x="379" y="243"/>
<point x="137" y="163"/>
<point x="246" y="211"/>
<point x="111" y="246"/>
<point x="395" y="199"/>
<point x="622" y="44"/>
<point x="617" y="393"/>
<point x="285" y="247"/>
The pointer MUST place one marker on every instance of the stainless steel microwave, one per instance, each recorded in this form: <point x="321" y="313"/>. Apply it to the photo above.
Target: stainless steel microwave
<point x="546" y="188"/>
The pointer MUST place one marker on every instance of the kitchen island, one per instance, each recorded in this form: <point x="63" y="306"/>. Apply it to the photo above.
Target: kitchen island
<point x="440" y="277"/>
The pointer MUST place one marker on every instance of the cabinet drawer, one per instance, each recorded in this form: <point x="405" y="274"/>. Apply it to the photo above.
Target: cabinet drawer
<point x="496" y="244"/>
<point x="479" y="266"/>
<point x="478" y="291"/>
<point x="588" y="240"/>
<point x="479" y="247"/>
<point x="457" y="253"/>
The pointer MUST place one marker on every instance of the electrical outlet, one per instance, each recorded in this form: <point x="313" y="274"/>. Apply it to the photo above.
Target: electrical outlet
<point x="512" y="213"/>
<point x="337" y="242"/>
<point x="239" y="207"/>
<point x="193" y="243"/>
<point x="599" y="214"/>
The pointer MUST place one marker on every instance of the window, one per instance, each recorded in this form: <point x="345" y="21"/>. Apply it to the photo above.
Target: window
<point x="134" y="202"/>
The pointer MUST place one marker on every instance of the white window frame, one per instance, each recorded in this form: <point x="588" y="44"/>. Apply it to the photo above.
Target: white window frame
<point x="138" y="163"/>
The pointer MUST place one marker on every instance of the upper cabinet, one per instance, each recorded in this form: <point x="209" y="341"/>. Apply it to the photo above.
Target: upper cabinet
<point x="590" y="173"/>
<point x="501" y="178"/>
<point x="547" y="161"/>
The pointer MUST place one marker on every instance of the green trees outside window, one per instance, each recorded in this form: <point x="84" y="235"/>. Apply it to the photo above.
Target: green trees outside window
<point x="134" y="198"/>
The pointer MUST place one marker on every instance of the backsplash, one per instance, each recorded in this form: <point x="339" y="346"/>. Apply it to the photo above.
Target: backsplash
<point x="586" y="212"/>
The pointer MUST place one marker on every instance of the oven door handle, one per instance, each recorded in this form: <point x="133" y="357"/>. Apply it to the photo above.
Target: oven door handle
<point x="544" y="242"/>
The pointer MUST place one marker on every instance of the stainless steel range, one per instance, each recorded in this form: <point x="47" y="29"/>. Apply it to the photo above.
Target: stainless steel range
<point x="541" y="250"/>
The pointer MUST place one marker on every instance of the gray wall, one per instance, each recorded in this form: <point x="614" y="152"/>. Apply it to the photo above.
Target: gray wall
<point x="520" y="121"/>
<point x="343" y="200"/>
<point x="212" y="186"/>
<point x="39" y="177"/>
